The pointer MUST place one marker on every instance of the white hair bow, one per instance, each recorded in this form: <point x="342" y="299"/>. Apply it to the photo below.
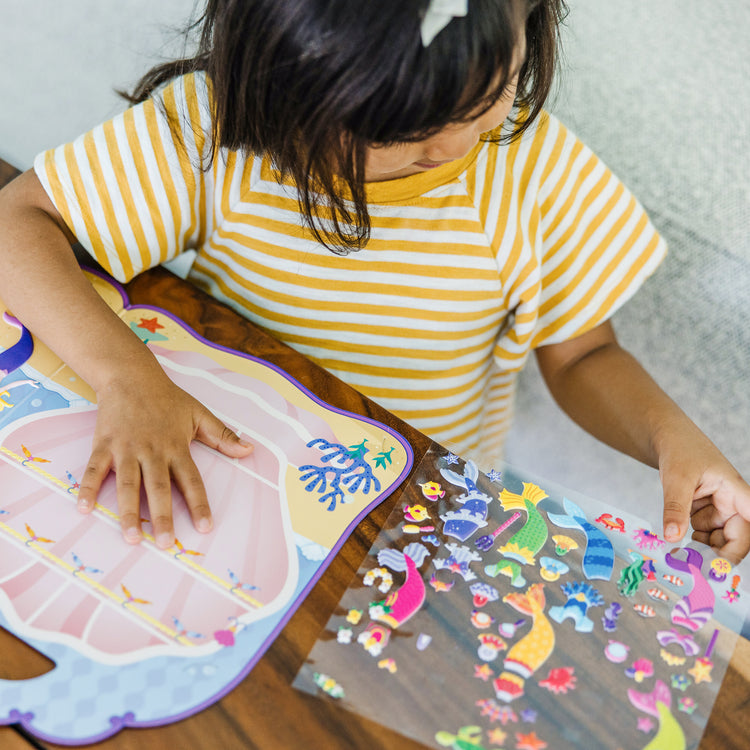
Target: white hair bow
<point x="438" y="15"/>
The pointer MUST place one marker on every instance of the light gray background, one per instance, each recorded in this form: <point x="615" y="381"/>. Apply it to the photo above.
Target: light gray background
<point x="658" y="88"/>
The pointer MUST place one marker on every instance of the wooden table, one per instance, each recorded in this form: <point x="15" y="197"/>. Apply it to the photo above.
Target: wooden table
<point x="264" y="711"/>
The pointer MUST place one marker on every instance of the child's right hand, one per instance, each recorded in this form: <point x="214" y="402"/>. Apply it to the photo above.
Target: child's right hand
<point x="143" y="433"/>
<point x="145" y="422"/>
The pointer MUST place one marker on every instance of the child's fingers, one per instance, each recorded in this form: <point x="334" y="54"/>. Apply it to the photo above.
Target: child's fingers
<point x="157" y="483"/>
<point x="128" y="476"/>
<point x="212" y="432"/>
<point x="705" y="516"/>
<point x="702" y="536"/>
<point x="730" y="537"/>
<point x="678" y="500"/>
<point x="188" y="479"/>
<point x="736" y="537"/>
<point x="95" y="473"/>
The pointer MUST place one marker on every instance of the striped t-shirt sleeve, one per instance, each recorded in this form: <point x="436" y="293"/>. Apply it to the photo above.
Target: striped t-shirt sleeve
<point x="598" y="245"/>
<point x="587" y="244"/>
<point x="134" y="190"/>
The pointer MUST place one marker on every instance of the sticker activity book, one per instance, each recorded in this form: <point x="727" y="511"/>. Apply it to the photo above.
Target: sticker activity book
<point x="497" y="611"/>
<point x="142" y="636"/>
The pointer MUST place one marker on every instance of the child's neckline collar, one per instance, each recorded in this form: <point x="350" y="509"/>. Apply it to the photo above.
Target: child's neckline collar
<point x="403" y="188"/>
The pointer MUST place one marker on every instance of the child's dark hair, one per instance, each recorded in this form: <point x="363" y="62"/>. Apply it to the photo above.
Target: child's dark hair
<point x="312" y="83"/>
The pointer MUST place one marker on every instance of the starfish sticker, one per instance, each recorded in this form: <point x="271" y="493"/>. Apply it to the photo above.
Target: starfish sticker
<point x="645" y="724"/>
<point x="507" y="714"/>
<point x="496" y="736"/>
<point x="439" y="585"/>
<point x="702" y="670"/>
<point x="529" y="742"/>
<point x="482" y="672"/>
<point x="494" y="476"/>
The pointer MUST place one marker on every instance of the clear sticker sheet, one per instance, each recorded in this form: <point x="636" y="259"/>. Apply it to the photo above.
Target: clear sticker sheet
<point x="500" y="611"/>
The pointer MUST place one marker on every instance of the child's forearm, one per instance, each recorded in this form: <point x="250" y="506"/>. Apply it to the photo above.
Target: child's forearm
<point x="607" y="392"/>
<point x="43" y="286"/>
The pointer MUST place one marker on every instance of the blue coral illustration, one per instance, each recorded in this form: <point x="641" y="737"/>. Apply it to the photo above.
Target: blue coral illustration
<point x="342" y="471"/>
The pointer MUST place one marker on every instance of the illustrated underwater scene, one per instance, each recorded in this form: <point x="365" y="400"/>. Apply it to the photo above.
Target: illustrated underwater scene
<point x="142" y="636"/>
<point x="501" y="611"/>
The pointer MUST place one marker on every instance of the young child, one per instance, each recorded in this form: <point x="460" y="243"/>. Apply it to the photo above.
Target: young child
<point x="375" y="183"/>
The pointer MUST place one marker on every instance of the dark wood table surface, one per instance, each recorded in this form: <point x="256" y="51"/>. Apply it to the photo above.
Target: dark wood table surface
<point x="264" y="711"/>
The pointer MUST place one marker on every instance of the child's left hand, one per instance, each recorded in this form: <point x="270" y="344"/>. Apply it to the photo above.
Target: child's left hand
<point x="607" y="392"/>
<point x="702" y="488"/>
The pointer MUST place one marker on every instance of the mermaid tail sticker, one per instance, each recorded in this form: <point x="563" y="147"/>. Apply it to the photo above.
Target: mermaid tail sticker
<point x="404" y="603"/>
<point x="599" y="555"/>
<point x="461" y="524"/>
<point x="694" y="610"/>
<point x="526" y="656"/>
<point x="525" y="543"/>
<point x="658" y="703"/>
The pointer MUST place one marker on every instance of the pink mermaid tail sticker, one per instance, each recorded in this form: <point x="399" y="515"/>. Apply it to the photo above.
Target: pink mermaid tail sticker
<point x="402" y="604"/>
<point x="658" y="703"/>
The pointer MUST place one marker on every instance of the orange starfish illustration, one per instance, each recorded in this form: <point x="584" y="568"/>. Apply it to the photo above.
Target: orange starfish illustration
<point x="150" y="324"/>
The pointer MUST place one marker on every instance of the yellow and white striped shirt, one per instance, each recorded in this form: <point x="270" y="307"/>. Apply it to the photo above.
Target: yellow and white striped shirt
<point x="470" y="266"/>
